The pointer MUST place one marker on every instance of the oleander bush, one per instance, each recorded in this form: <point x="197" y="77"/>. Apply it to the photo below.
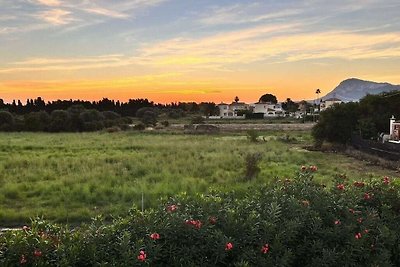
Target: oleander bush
<point x="293" y="222"/>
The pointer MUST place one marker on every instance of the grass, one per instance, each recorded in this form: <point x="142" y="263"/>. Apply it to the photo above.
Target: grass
<point x="71" y="177"/>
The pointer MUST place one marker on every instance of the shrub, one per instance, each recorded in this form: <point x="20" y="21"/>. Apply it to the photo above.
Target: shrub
<point x="140" y="113"/>
<point x="197" y="120"/>
<point x="139" y="127"/>
<point x="113" y="129"/>
<point x="252" y="168"/>
<point x="293" y="222"/>
<point x="60" y="121"/>
<point x="6" y="121"/>
<point x="110" y="115"/>
<point x="149" y="118"/>
<point x="336" y="124"/>
<point x="36" y="121"/>
<point x="252" y="136"/>
<point x="176" y="114"/>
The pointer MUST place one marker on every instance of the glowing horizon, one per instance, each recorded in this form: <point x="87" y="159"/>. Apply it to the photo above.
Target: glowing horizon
<point x="182" y="51"/>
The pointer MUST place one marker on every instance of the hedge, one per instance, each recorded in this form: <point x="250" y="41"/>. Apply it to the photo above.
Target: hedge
<point x="293" y="222"/>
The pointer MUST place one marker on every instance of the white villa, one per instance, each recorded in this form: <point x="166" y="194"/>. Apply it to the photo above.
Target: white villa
<point x="235" y="109"/>
<point x="327" y="103"/>
<point x="232" y="110"/>
<point x="269" y="109"/>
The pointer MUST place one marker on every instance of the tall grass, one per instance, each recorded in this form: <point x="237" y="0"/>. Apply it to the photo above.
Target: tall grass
<point x="71" y="177"/>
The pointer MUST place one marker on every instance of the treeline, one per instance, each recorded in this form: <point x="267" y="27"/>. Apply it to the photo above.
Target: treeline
<point x="367" y="118"/>
<point x="74" y="119"/>
<point x="81" y="116"/>
<point x="128" y="108"/>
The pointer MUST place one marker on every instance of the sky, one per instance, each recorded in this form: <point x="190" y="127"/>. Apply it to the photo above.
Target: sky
<point x="194" y="50"/>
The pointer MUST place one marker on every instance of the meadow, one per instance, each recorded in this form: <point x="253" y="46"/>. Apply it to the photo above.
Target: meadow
<point x="71" y="177"/>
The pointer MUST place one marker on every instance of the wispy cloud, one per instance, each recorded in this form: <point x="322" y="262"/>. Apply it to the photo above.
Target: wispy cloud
<point x="49" y="2"/>
<point x="68" y="15"/>
<point x="64" y="64"/>
<point x="56" y="16"/>
<point x="105" y="12"/>
<point x="245" y="13"/>
<point x="275" y="44"/>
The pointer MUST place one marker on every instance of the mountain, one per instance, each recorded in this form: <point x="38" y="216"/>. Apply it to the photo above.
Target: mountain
<point x="355" y="89"/>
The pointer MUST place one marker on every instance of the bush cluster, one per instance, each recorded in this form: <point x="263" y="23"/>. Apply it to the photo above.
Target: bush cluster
<point x="75" y="119"/>
<point x="366" y="118"/>
<point x="294" y="222"/>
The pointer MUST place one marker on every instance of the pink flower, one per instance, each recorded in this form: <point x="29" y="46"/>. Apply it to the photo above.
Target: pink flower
<point x="358" y="236"/>
<point x="367" y="196"/>
<point x="313" y="168"/>
<point x="265" y="249"/>
<point x="303" y="168"/>
<point x="37" y="253"/>
<point x="366" y="231"/>
<point x="351" y="211"/>
<point x="26" y="228"/>
<point x="196" y="223"/>
<point x="359" y="184"/>
<point x="360" y="220"/>
<point x="172" y="208"/>
<point x="228" y="246"/>
<point x="212" y="220"/>
<point x="23" y="260"/>
<point x="142" y="256"/>
<point x="386" y="180"/>
<point x="155" y="236"/>
<point x="338" y="222"/>
<point x="340" y="186"/>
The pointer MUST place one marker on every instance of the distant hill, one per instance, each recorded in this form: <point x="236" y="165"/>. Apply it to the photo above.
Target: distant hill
<point x="355" y="89"/>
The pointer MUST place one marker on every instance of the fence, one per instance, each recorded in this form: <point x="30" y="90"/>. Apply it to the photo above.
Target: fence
<point x="387" y="151"/>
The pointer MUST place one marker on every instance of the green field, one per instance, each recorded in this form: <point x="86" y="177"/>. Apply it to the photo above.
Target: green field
<point x="72" y="177"/>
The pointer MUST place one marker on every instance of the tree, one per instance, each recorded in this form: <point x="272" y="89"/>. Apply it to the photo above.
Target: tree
<point x="290" y="106"/>
<point x="317" y="92"/>
<point x="36" y="121"/>
<point x="337" y="123"/>
<point x="59" y="121"/>
<point x="92" y="120"/>
<point x="268" y="98"/>
<point x="236" y="99"/>
<point x="149" y="118"/>
<point x="6" y="121"/>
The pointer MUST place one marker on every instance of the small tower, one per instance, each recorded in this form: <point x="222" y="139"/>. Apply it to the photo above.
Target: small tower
<point x="392" y="121"/>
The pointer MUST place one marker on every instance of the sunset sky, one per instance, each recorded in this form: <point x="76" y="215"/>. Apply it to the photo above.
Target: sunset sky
<point x="194" y="50"/>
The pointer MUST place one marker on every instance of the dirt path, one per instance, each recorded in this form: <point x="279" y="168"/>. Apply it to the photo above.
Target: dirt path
<point x="235" y="127"/>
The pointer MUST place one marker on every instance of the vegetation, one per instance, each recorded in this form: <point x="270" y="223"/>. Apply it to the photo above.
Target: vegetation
<point x="268" y="98"/>
<point x="294" y="222"/>
<point x="367" y="118"/>
<point x="71" y="177"/>
<point x="198" y="120"/>
<point x="75" y="119"/>
<point x="129" y="108"/>
<point x="290" y="106"/>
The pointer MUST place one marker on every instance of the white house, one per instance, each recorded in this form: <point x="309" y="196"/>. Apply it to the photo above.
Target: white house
<point x="232" y="110"/>
<point x="327" y="103"/>
<point x="268" y="109"/>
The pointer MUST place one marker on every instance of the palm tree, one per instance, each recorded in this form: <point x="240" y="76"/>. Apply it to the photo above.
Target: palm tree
<point x="317" y="92"/>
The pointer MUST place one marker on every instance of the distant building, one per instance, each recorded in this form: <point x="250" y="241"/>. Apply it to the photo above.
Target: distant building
<point x="394" y="130"/>
<point x="232" y="110"/>
<point x="268" y="109"/>
<point x="327" y="103"/>
<point x="236" y="110"/>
